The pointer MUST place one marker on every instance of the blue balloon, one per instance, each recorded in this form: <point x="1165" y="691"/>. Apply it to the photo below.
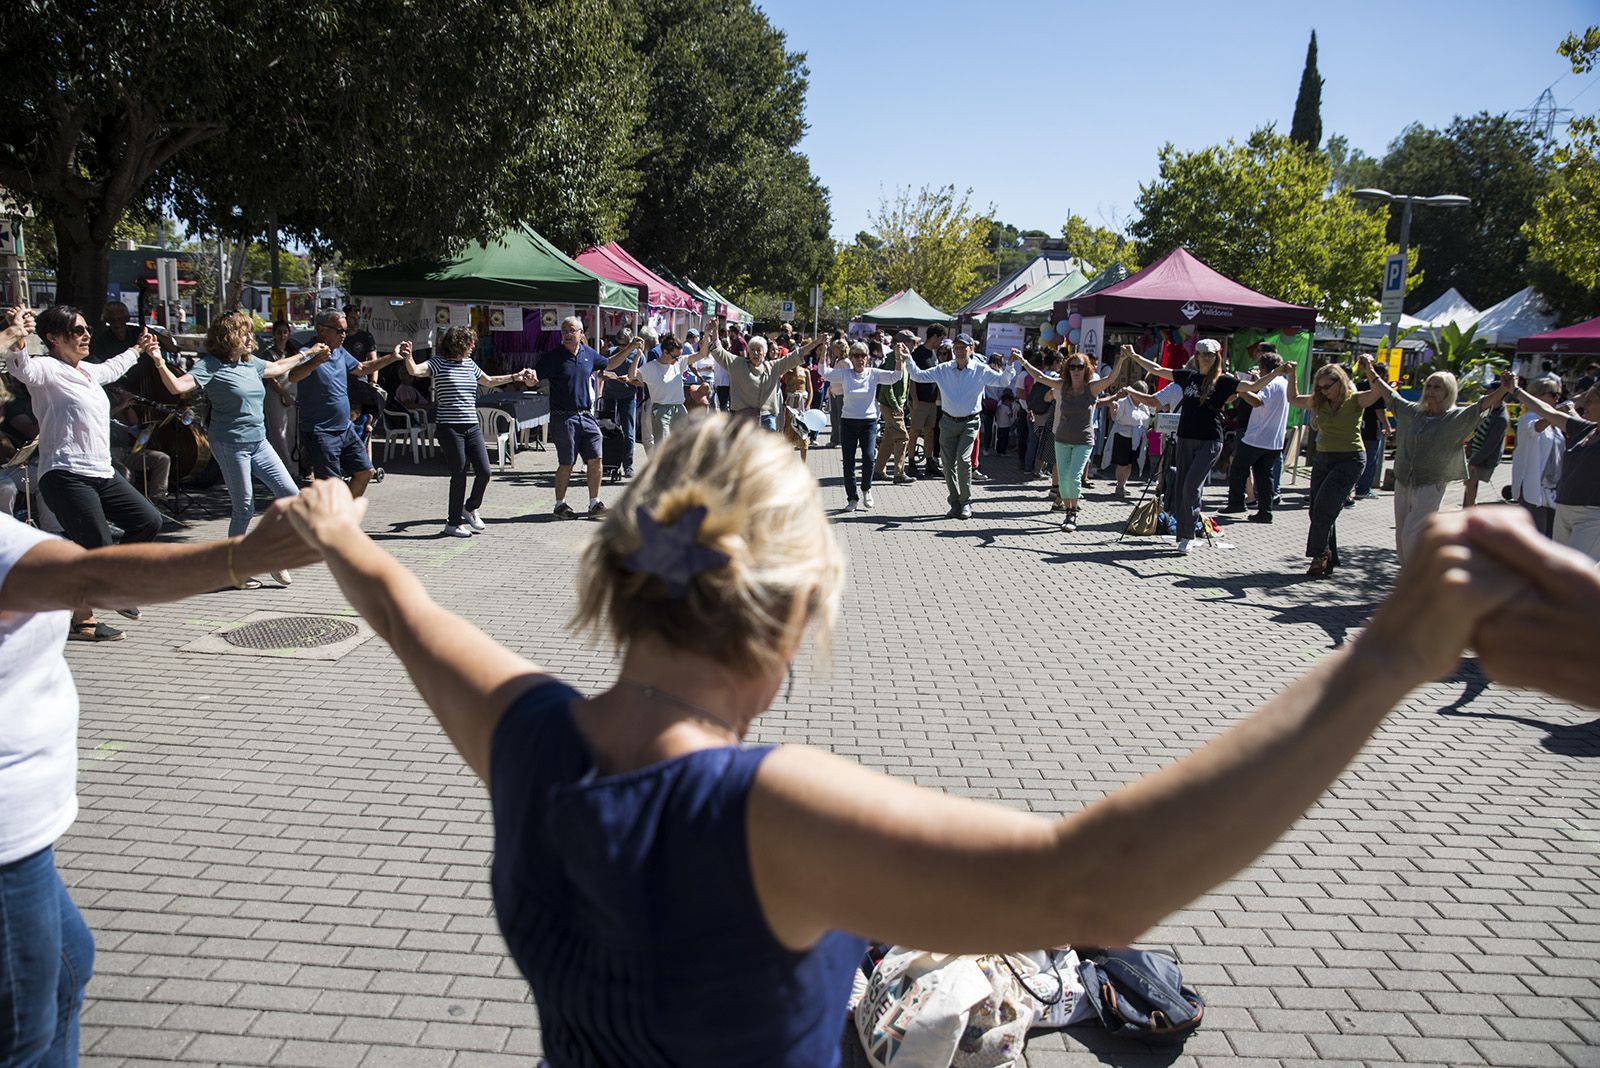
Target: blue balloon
<point x="1045" y="333"/>
<point x="1074" y="336"/>
<point x="1062" y="327"/>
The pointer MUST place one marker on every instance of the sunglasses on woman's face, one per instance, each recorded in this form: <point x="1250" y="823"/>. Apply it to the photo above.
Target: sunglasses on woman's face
<point x="80" y="331"/>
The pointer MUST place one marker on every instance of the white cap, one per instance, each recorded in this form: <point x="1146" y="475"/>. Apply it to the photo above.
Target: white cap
<point x="1211" y="345"/>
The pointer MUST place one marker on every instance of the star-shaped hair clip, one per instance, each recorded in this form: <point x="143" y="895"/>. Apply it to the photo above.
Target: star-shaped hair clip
<point x="672" y="553"/>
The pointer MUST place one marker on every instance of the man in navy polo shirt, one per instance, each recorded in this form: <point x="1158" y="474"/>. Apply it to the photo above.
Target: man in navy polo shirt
<point x="335" y="447"/>
<point x="568" y="370"/>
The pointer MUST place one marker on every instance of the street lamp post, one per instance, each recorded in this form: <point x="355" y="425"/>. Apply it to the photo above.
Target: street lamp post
<point x="1446" y="200"/>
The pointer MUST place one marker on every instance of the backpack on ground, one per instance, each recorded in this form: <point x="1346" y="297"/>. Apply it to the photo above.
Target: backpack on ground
<point x="1140" y="994"/>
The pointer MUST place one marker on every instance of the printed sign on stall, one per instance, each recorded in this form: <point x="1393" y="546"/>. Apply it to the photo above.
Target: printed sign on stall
<point x="1092" y="337"/>
<point x="1002" y="338"/>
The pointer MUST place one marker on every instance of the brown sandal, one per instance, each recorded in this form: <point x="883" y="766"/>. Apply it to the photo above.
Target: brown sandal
<point x="1320" y="566"/>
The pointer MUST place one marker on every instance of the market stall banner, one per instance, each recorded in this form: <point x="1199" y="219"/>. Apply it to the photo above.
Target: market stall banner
<point x="1092" y="337"/>
<point x="1001" y="338"/>
<point x="393" y="321"/>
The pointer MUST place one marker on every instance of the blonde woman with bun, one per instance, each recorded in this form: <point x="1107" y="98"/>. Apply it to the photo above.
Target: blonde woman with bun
<point x="676" y="896"/>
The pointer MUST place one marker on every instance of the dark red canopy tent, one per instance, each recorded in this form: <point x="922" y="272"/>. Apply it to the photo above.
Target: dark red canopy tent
<point x="1177" y="290"/>
<point x="1579" y="339"/>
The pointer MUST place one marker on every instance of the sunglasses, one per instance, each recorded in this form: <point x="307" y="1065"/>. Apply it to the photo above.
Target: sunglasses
<point x="335" y="329"/>
<point x="79" y="331"/>
<point x="1077" y="367"/>
<point x="1328" y="384"/>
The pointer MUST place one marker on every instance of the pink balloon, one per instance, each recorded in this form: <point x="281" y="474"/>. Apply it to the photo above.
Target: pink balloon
<point x="1074" y="320"/>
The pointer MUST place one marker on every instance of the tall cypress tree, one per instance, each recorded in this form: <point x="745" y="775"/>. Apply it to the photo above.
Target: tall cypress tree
<point x="1307" y="126"/>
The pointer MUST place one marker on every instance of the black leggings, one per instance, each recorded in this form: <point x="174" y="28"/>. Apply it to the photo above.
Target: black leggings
<point x="463" y="444"/>
<point x="1333" y="476"/>
<point x="83" y="504"/>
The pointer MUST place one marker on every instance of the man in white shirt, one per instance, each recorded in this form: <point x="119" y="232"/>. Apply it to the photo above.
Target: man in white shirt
<point x="961" y="384"/>
<point x="1257" y="451"/>
<point x="858" y="384"/>
<point x="1536" y="463"/>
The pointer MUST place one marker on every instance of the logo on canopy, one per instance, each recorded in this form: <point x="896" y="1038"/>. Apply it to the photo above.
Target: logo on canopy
<point x="1190" y="310"/>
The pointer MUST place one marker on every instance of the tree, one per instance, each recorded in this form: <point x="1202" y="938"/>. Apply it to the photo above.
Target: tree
<point x="1097" y="245"/>
<point x="935" y="242"/>
<point x="1481" y="249"/>
<point x="853" y="284"/>
<point x="724" y="194"/>
<point x="412" y="150"/>
<point x="1261" y="213"/>
<point x="1564" y="234"/>
<point x="1011" y="249"/>
<point x="1306" y="128"/>
<point x="1352" y="168"/>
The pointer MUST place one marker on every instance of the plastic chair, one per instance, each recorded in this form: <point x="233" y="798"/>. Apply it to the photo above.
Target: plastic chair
<point x="500" y="428"/>
<point x="398" y="427"/>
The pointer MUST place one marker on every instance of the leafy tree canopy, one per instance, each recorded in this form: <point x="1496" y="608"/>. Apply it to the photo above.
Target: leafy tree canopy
<point x="1481" y="249"/>
<point x="1564" y="234"/>
<point x="1098" y="245"/>
<point x="1306" y="127"/>
<point x="1260" y="212"/>
<point x="934" y="241"/>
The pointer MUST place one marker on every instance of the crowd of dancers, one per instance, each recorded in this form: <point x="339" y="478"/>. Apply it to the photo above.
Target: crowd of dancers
<point x="671" y="894"/>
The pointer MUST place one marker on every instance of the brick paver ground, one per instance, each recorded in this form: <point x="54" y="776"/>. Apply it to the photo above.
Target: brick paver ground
<point x="284" y="862"/>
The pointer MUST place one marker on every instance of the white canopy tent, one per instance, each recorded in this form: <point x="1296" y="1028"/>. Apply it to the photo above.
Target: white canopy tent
<point x="1450" y="307"/>
<point x="1520" y="315"/>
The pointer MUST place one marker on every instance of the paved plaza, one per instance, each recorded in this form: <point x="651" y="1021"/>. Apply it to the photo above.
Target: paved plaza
<point x="284" y="862"/>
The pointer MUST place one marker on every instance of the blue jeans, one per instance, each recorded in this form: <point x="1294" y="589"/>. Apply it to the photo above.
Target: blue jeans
<point x="46" y="958"/>
<point x="1369" y="473"/>
<point x="862" y="434"/>
<point x="238" y="463"/>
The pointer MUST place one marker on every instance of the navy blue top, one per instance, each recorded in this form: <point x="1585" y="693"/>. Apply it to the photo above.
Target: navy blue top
<point x="570" y="376"/>
<point x="627" y="902"/>
<point x="324" y="394"/>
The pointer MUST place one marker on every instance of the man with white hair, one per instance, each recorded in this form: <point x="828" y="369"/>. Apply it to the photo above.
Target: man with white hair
<point x="567" y="371"/>
<point x="752" y="378"/>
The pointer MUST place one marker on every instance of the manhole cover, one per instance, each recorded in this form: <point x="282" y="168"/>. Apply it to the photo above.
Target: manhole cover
<point x="291" y="632"/>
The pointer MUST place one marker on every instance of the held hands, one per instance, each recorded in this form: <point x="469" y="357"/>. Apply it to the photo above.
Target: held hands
<point x="403" y="351"/>
<point x="148" y="345"/>
<point x="527" y="376"/>
<point x="322" y="513"/>
<point x="274" y="545"/>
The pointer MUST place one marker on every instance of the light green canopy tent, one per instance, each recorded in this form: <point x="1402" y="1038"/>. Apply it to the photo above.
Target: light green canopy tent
<point x="518" y="267"/>
<point x="735" y="313"/>
<point x="1035" y="307"/>
<point x="905" y="308"/>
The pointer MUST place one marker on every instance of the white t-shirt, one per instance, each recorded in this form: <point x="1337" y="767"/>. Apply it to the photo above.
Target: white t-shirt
<point x="860" y="390"/>
<point x="1267" y="422"/>
<point x="1170" y="396"/>
<point x="38" y="716"/>
<point x="665" y="381"/>
<point x="1536" y="463"/>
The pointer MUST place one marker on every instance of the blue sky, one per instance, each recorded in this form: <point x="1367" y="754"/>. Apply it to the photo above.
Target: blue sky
<point x="1043" y="107"/>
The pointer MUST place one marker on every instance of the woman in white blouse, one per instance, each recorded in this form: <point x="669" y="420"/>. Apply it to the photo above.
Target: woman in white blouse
<point x="76" y="478"/>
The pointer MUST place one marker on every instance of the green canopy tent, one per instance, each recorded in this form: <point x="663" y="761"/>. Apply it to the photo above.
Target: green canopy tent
<point x="733" y="313"/>
<point x="518" y="267"/>
<point x="1034" y="308"/>
<point x="905" y="308"/>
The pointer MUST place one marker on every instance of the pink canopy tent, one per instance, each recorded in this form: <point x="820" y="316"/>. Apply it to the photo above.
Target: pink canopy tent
<point x="1580" y="339"/>
<point x="660" y="298"/>
<point x="1180" y="290"/>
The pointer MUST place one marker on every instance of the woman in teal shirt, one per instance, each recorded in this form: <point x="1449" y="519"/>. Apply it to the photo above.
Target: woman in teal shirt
<point x="233" y="381"/>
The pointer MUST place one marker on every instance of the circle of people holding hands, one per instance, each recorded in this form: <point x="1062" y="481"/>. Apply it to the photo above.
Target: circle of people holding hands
<point x="637" y="835"/>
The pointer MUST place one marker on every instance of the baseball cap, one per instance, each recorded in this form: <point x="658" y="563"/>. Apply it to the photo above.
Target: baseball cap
<point x="1211" y="345"/>
<point x="965" y="339"/>
<point x="692" y="333"/>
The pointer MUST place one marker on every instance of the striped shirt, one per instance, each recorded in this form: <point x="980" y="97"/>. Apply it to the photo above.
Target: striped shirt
<point x="455" y="390"/>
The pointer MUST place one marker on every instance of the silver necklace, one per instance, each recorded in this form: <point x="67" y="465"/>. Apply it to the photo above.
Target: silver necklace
<point x="651" y="693"/>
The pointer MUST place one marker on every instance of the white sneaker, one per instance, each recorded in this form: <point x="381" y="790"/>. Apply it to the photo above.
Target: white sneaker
<point x="457" y="532"/>
<point x="474" y="522"/>
<point x="849" y="506"/>
<point x="281" y="577"/>
<point x="866" y="499"/>
<point x="1183" y="546"/>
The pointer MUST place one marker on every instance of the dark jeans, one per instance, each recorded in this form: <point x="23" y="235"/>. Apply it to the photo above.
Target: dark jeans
<point x="83" y="505"/>
<point x="46" y="957"/>
<point x="463" y="446"/>
<point x="724" y="397"/>
<point x="1369" y="471"/>
<point x="1195" y="459"/>
<point x="1262" y="463"/>
<point x="861" y="433"/>
<point x="1543" y="518"/>
<point x="1333" y="476"/>
<point x="624" y="412"/>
